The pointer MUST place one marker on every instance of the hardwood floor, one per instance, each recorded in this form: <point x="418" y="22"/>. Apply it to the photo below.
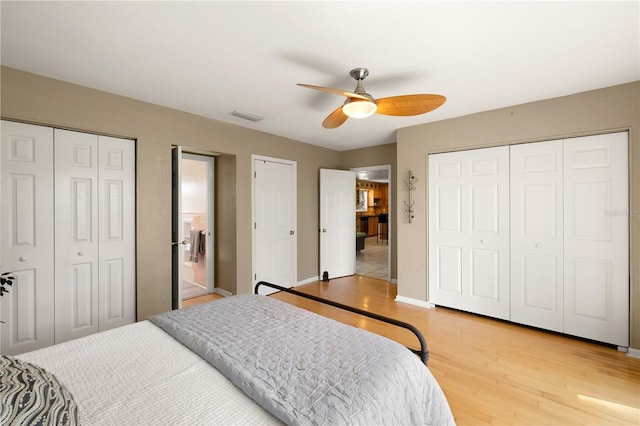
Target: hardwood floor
<point x="494" y="372"/>
<point x="200" y="299"/>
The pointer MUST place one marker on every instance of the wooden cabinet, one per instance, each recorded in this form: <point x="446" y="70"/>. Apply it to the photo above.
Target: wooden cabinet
<point x="377" y="195"/>
<point x="368" y="225"/>
<point x="372" y="226"/>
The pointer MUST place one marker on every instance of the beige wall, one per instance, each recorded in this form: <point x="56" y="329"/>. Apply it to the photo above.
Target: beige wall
<point x="225" y="223"/>
<point x="599" y="111"/>
<point x="378" y="156"/>
<point x="31" y="98"/>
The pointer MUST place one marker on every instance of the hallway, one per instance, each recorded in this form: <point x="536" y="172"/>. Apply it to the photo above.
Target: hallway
<point x="373" y="260"/>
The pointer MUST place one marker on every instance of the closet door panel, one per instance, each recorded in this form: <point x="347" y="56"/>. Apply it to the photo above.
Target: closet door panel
<point x="76" y="242"/>
<point x="116" y="231"/>
<point x="26" y="236"/>
<point x="486" y="227"/>
<point x="468" y="231"/>
<point x="597" y="238"/>
<point x="537" y="234"/>
<point x="447" y="246"/>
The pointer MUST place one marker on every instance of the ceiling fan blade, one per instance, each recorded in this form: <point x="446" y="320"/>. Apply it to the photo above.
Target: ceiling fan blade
<point x="334" y="91"/>
<point x="335" y="119"/>
<point x="409" y="104"/>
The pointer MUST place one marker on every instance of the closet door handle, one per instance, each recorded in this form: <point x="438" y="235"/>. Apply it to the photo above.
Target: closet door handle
<point x="80" y="253"/>
<point x="175" y="243"/>
<point x="22" y="258"/>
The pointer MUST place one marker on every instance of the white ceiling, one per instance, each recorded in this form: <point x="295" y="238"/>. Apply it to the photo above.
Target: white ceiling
<point x="210" y="58"/>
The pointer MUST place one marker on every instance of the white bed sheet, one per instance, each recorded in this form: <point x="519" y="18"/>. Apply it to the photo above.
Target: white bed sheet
<point x="139" y="375"/>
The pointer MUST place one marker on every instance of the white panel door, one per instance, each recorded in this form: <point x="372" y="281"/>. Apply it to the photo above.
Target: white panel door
<point x="537" y="234"/>
<point x="596" y="232"/>
<point x="337" y="223"/>
<point x="275" y="249"/>
<point x="117" y="232"/>
<point x="26" y="235"/>
<point x="76" y="234"/>
<point x="469" y="230"/>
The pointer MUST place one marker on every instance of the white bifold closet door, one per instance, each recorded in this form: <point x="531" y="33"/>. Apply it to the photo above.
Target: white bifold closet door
<point x="469" y="231"/>
<point x="67" y="217"/>
<point x="596" y="238"/>
<point x="95" y="233"/>
<point x="537" y="235"/>
<point x="26" y="236"/>
<point x="570" y="236"/>
<point x="76" y="243"/>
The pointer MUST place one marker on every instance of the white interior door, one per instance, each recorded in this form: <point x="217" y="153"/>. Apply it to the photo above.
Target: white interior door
<point x="76" y="234"/>
<point x="596" y="233"/>
<point x="469" y="230"/>
<point x="537" y="234"/>
<point x="274" y="213"/>
<point x="26" y="236"/>
<point x="337" y="223"/>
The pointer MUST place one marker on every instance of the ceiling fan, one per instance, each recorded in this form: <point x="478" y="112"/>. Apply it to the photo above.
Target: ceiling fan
<point x="360" y="104"/>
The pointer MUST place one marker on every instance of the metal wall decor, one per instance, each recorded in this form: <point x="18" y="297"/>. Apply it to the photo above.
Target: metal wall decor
<point x="411" y="185"/>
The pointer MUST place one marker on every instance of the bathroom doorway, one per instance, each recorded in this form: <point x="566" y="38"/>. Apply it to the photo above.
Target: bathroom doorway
<point x="196" y="220"/>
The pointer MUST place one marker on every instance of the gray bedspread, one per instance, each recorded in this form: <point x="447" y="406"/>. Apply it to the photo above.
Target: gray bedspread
<point x="307" y="369"/>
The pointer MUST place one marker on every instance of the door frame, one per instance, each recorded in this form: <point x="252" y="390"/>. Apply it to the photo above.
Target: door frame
<point x="177" y="239"/>
<point x="254" y="158"/>
<point x="389" y="209"/>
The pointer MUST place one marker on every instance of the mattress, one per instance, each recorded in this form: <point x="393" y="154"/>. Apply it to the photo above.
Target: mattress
<point x="139" y="375"/>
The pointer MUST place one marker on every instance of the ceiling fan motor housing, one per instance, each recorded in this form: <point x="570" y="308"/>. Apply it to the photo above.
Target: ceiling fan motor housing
<point x="359" y="73"/>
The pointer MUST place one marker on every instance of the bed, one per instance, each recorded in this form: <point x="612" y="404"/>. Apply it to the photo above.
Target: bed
<point x="245" y="359"/>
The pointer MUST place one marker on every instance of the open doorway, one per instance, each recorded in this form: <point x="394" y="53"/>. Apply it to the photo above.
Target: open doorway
<point x="373" y="210"/>
<point x="196" y="221"/>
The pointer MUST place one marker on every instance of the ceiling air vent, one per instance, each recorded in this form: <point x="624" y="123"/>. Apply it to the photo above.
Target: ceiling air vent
<point x="246" y="116"/>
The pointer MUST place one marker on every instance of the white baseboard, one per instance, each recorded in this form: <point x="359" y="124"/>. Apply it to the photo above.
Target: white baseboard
<point x="222" y="292"/>
<point x="633" y="353"/>
<point x="308" y="281"/>
<point x="415" y="302"/>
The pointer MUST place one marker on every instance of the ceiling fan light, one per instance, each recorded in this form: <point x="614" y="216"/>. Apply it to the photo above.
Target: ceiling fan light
<point x="357" y="108"/>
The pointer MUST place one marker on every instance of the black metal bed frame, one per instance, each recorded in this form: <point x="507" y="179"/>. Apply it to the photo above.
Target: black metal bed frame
<point x="423" y="353"/>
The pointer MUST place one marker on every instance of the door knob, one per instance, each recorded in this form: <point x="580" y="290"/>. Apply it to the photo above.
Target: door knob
<point x="292" y="232"/>
<point x="23" y="258"/>
<point x="537" y="245"/>
<point x="481" y="241"/>
<point x="80" y="253"/>
<point x="324" y="230"/>
<point x="175" y="243"/>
